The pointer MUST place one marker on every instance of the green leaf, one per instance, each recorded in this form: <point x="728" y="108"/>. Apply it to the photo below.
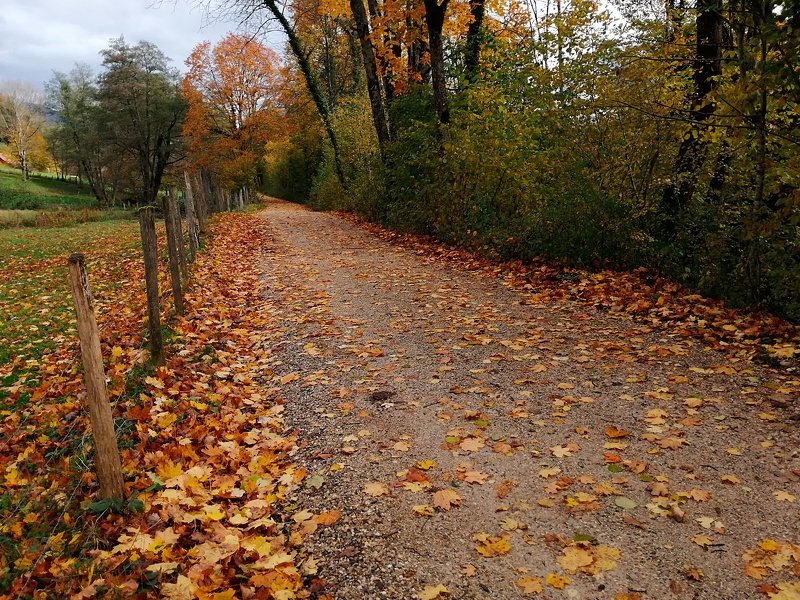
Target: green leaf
<point x="135" y="505"/>
<point x="624" y="502"/>
<point x="615" y="468"/>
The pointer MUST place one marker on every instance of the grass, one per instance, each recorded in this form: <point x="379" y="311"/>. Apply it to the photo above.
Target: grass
<point x="48" y="202"/>
<point x="41" y="193"/>
<point x="43" y="446"/>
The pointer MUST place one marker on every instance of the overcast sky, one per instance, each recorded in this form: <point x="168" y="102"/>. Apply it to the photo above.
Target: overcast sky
<point x="38" y="37"/>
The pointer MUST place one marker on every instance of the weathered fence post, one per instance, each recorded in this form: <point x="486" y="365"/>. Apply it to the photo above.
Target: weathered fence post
<point x="107" y="462"/>
<point x="191" y="216"/>
<point x="177" y="228"/>
<point x="174" y="260"/>
<point x="147" y="225"/>
<point x="201" y="205"/>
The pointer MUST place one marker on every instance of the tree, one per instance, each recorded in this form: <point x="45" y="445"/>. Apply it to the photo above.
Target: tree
<point x="232" y="95"/>
<point x="22" y="120"/>
<point x="142" y="110"/>
<point x="79" y="138"/>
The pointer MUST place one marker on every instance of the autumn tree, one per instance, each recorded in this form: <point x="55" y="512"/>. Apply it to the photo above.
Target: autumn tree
<point x="22" y="121"/>
<point x="231" y="90"/>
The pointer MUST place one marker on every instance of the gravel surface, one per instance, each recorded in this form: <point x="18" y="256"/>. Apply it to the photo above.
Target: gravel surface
<point x="418" y="386"/>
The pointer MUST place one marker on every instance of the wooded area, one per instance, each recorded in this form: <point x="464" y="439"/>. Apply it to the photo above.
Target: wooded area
<point x="637" y="134"/>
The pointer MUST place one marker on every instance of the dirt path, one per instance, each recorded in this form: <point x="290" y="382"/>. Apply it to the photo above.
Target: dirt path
<point x="474" y="439"/>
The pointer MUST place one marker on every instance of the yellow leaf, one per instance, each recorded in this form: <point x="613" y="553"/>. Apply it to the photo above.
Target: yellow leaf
<point x="702" y="540"/>
<point x="547" y="473"/>
<point x="768" y="545"/>
<point x="734" y="451"/>
<point x="290" y="378"/>
<point x="424" y="510"/>
<point x="530" y="585"/>
<point x="432" y="592"/>
<point x="574" y="558"/>
<point x="557" y="581"/>
<point x="182" y="589"/>
<point x="493" y="546"/>
<point x="426" y="464"/>
<point x="376" y="488"/>
<point x="786" y="591"/>
<point x="446" y="499"/>
<point x="782" y="496"/>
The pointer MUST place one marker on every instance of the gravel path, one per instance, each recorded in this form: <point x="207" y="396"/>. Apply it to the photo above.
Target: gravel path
<point x="504" y="448"/>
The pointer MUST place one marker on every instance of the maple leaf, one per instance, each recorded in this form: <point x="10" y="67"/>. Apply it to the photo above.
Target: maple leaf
<point x="730" y="479"/>
<point x="613" y="432"/>
<point x="472" y="444"/>
<point x="446" y="499"/>
<point x="561" y="451"/>
<point x="182" y="589"/>
<point x="702" y="540"/>
<point x="492" y="546"/>
<point x="557" y="581"/>
<point x="424" y="510"/>
<point x="468" y="571"/>
<point x="574" y="558"/>
<point x="782" y="496"/>
<point x="530" y="585"/>
<point x="432" y="592"/>
<point x="475" y="477"/>
<point x="376" y="488"/>
<point x="546" y="473"/>
<point x="426" y="464"/>
<point x="329" y="518"/>
<point x="402" y="446"/>
<point x="786" y="591"/>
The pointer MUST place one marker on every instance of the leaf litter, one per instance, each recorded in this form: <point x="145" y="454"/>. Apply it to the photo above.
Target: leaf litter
<point x="508" y="432"/>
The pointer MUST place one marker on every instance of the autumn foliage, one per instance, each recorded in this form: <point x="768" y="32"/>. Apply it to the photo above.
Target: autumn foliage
<point x="232" y="89"/>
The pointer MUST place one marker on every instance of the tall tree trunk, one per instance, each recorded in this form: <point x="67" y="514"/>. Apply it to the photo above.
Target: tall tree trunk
<point x="371" y="72"/>
<point x="472" y="47"/>
<point x="707" y="66"/>
<point x="311" y="83"/>
<point x="434" y="18"/>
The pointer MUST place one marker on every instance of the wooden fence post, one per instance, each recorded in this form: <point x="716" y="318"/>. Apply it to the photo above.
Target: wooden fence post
<point x="191" y="217"/>
<point x="107" y="462"/>
<point x="177" y="228"/>
<point x="201" y="204"/>
<point x="174" y="260"/>
<point x="147" y="225"/>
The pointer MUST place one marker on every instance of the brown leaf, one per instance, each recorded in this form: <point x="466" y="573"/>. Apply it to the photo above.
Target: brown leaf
<point x="446" y="499"/>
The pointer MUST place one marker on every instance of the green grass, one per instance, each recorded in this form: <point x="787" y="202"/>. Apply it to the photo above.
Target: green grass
<point x="41" y="192"/>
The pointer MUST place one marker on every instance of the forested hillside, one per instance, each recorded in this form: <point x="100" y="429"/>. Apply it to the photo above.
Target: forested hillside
<point x="629" y="134"/>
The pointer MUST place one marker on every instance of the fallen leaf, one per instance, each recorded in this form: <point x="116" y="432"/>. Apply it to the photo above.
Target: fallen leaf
<point x="530" y="585"/>
<point x="376" y="488"/>
<point x="432" y="592"/>
<point x="446" y="499"/>
<point x="557" y="581"/>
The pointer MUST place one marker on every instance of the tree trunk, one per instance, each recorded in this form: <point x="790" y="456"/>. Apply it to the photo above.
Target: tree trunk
<point x="707" y="66"/>
<point x="434" y="18"/>
<point x="472" y="47"/>
<point x="371" y="71"/>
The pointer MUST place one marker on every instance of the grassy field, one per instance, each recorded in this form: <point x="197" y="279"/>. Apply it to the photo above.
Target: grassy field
<point x="48" y="202"/>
